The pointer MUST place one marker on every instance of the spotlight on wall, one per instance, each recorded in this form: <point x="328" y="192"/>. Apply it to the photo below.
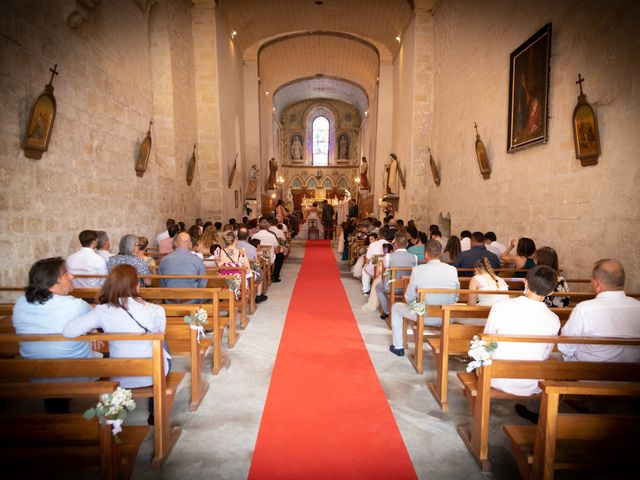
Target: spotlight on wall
<point x="366" y="113"/>
<point x="266" y="93"/>
<point x="273" y="195"/>
<point x="398" y="39"/>
<point x="233" y="34"/>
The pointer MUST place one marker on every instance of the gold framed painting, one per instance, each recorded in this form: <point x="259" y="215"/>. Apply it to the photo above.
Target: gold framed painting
<point x="529" y="91"/>
<point x="143" y="153"/>
<point x="40" y="124"/>
<point x="586" y="136"/>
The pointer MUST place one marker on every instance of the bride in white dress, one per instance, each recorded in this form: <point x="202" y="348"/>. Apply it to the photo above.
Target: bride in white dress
<point x="313" y="215"/>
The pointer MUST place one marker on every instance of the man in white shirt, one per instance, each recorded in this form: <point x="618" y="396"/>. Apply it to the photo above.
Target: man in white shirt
<point x="375" y="248"/>
<point x="610" y="314"/>
<point x="164" y="235"/>
<point x="433" y="274"/>
<point x="493" y="245"/>
<point x="280" y="235"/>
<point x="104" y="245"/>
<point x="465" y="240"/>
<point x="524" y="315"/>
<point x="87" y="262"/>
<point x="268" y="238"/>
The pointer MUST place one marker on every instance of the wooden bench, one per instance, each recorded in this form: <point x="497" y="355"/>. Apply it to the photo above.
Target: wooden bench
<point x="478" y="389"/>
<point x="65" y="440"/>
<point x="163" y="390"/>
<point x="454" y="339"/>
<point x="264" y="260"/>
<point x="563" y="441"/>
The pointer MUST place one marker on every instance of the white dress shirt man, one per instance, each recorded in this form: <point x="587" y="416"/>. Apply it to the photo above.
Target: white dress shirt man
<point x="433" y="274"/>
<point x="493" y="245"/>
<point x="104" y="246"/>
<point x="524" y="315"/>
<point x="610" y="314"/>
<point x="375" y="248"/>
<point x="268" y="238"/>
<point x="164" y="235"/>
<point x="465" y="240"/>
<point x="87" y="262"/>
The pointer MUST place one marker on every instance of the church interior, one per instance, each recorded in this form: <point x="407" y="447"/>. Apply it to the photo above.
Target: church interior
<point x="119" y="114"/>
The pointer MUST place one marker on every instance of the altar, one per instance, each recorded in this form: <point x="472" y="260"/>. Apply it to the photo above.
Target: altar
<point x="320" y="195"/>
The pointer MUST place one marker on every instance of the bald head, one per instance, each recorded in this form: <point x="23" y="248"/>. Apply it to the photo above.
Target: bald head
<point x="607" y="275"/>
<point x="183" y="240"/>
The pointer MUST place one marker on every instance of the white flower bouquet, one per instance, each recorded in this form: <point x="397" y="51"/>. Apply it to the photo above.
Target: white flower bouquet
<point x="112" y="409"/>
<point x="417" y="307"/>
<point x="481" y="353"/>
<point x="197" y="320"/>
<point x="234" y="285"/>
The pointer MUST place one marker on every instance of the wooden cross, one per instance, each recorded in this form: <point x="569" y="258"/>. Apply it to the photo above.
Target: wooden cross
<point x="475" y="125"/>
<point x="54" y="72"/>
<point x="579" y="82"/>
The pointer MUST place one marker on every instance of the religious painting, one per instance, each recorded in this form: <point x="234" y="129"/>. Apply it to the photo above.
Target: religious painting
<point x="236" y="197"/>
<point x="40" y="124"/>
<point x="481" y="154"/>
<point x="191" y="168"/>
<point x="143" y="153"/>
<point x="586" y="136"/>
<point x="232" y="174"/>
<point x="296" y="147"/>
<point x="529" y="91"/>
<point x="434" y="169"/>
<point x="343" y="146"/>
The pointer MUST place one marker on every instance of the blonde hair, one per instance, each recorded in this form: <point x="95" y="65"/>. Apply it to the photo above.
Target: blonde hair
<point x="485" y="265"/>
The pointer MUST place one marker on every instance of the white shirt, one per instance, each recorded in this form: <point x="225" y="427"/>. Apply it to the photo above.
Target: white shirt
<point x="86" y="262"/>
<point x="521" y="316"/>
<point x="267" y="239"/>
<point x="465" y="244"/>
<point x="104" y="254"/>
<point x="162" y="236"/>
<point x="610" y="314"/>
<point x="375" y="248"/>
<point x="497" y="248"/>
<point x="279" y="233"/>
<point x="116" y="320"/>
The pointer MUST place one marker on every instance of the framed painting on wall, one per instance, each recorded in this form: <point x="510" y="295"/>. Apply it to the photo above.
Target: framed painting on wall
<point x="529" y="91"/>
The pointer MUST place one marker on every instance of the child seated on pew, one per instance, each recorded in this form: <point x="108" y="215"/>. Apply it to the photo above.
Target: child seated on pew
<point x="121" y="310"/>
<point x="524" y="315"/>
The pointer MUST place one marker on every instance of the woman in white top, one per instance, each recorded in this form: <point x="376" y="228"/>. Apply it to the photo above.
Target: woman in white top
<point x="121" y="310"/>
<point x="485" y="279"/>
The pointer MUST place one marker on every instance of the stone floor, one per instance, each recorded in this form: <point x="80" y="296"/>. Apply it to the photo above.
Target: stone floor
<point x="217" y="441"/>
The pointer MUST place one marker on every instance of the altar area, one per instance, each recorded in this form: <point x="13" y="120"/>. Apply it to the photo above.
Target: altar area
<point x="316" y="196"/>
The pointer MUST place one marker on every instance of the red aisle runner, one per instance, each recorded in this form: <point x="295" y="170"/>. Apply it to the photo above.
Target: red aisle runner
<point x="326" y="415"/>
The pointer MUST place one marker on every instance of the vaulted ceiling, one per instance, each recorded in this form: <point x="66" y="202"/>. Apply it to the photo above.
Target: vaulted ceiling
<point x="294" y="41"/>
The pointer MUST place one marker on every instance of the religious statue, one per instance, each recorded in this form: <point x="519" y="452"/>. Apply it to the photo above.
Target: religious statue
<point x="343" y="147"/>
<point x="393" y="175"/>
<point x="252" y="185"/>
<point x="271" y="179"/>
<point x="296" y="148"/>
<point x="364" y="180"/>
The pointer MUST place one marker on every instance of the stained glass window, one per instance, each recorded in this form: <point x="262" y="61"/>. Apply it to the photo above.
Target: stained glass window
<point x="320" y="141"/>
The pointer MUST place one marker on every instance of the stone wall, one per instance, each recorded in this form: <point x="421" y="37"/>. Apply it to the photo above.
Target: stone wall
<point x="105" y="101"/>
<point x="543" y="192"/>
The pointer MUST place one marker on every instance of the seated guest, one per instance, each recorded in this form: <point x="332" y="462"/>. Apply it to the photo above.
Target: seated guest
<point x="165" y="234"/>
<point x="376" y="247"/>
<point x="452" y="249"/>
<point x="143" y="243"/>
<point x="437" y="235"/>
<point x="523" y="259"/>
<point x="121" y="310"/>
<point x="200" y="225"/>
<point x="416" y="246"/>
<point x="433" y="274"/>
<point x="548" y="256"/>
<point x="103" y="248"/>
<point x="218" y="226"/>
<point x="166" y="244"/>
<point x="493" y="245"/>
<point x="214" y="255"/>
<point x="400" y="257"/>
<point x="610" y="314"/>
<point x="392" y="229"/>
<point x="46" y="308"/>
<point x="465" y="240"/>
<point x="243" y="237"/>
<point x="182" y="262"/>
<point x="87" y="262"/>
<point x="468" y="259"/>
<point x="128" y="255"/>
<point x="194" y="232"/>
<point x="269" y="239"/>
<point x="485" y="279"/>
<point x="524" y="315"/>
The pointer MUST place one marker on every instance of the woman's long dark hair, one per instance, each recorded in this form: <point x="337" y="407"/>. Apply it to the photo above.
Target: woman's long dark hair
<point x="43" y="275"/>
<point x="121" y="284"/>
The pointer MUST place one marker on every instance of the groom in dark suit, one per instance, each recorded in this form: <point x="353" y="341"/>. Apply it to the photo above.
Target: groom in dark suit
<point x="327" y="219"/>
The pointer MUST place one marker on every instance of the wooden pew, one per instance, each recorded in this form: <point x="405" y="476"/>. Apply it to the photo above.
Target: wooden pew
<point x="478" y="389"/>
<point x="577" y="441"/>
<point x="65" y="440"/>
<point x="454" y="339"/>
<point x="163" y="389"/>
<point x="247" y="300"/>
<point x="264" y="258"/>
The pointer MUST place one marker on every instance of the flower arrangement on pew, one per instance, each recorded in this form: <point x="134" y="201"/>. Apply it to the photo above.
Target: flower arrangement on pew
<point x="234" y="285"/>
<point x="386" y="275"/>
<point x="481" y="353"/>
<point x="197" y="321"/>
<point x="112" y="409"/>
<point x="417" y="307"/>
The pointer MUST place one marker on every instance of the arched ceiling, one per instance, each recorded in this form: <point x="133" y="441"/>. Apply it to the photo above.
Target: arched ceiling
<point x="377" y="21"/>
<point x="309" y="55"/>
<point x="320" y="87"/>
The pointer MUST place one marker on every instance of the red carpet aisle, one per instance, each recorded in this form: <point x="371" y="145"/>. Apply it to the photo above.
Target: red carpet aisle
<point x="326" y="415"/>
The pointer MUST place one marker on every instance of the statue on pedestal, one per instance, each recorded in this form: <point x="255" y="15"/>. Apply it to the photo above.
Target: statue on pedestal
<point x="271" y="179"/>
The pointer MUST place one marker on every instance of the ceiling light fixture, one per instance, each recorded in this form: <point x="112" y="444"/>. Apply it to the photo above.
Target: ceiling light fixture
<point x="233" y="34"/>
<point x="398" y="39"/>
